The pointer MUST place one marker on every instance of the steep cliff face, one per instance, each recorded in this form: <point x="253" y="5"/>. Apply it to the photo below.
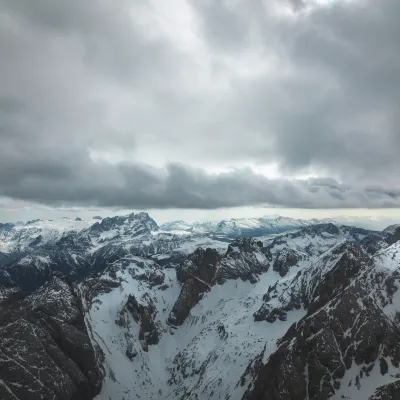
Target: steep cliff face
<point x="45" y="349"/>
<point x="346" y="346"/>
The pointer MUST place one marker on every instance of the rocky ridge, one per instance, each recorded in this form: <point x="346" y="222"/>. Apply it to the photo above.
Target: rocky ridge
<point x="29" y="254"/>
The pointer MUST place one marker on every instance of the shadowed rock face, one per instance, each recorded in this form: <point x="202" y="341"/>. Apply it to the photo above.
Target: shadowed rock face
<point x="45" y="349"/>
<point x="34" y="258"/>
<point x="196" y="274"/>
<point x="94" y="287"/>
<point x="244" y="259"/>
<point x="345" y="326"/>
<point x="315" y="354"/>
<point x="285" y="260"/>
<point x="387" y="392"/>
<point x="144" y="313"/>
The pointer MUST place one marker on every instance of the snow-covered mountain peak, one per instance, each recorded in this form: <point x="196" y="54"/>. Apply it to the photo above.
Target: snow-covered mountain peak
<point x="238" y="227"/>
<point x="126" y="223"/>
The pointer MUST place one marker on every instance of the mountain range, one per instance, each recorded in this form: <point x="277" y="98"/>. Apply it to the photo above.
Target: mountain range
<point x="267" y="308"/>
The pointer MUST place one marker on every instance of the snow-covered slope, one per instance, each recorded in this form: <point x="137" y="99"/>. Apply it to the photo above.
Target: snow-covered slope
<point x="23" y="236"/>
<point x="268" y="225"/>
<point x="346" y="347"/>
<point x="205" y="356"/>
<point x="210" y="328"/>
<point x="31" y="252"/>
<point x="308" y="314"/>
<point x="239" y="227"/>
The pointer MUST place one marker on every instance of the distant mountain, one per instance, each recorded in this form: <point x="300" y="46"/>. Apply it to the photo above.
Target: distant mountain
<point x="392" y="228"/>
<point x="268" y="225"/>
<point x="239" y="227"/>
<point x="29" y="253"/>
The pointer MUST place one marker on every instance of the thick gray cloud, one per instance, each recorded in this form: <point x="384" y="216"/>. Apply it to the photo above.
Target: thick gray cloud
<point x="137" y="105"/>
<point x="179" y="186"/>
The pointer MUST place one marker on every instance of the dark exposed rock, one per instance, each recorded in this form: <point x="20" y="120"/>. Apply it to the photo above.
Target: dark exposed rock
<point x="191" y="293"/>
<point x="130" y="352"/>
<point x="393" y="234"/>
<point x="315" y="230"/>
<point x="45" y="347"/>
<point x="75" y="253"/>
<point x="271" y="315"/>
<point x="95" y="286"/>
<point x="144" y="313"/>
<point x="9" y="296"/>
<point x="390" y="391"/>
<point x="196" y="274"/>
<point x="154" y="278"/>
<point x="284" y="260"/>
<point x="223" y="334"/>
<point x="349" y="265"/>
<point x="343" y="326"/>
<point x="383" y="366"/>
<point x="250" y="374"/>
<point x="201" y="264"/>
<point x="36" y="241"/>
<point x="282" y="377"/>
<point x="244" y="259"/>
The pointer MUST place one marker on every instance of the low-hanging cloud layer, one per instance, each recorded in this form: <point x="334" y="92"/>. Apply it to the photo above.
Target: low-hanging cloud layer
<point x="200" y="104"/>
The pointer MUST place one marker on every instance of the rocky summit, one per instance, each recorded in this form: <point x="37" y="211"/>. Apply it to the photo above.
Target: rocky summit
<point x="121" y="308"/>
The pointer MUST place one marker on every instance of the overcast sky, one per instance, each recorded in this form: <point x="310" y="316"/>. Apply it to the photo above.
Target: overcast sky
<point x="185" y="104"/>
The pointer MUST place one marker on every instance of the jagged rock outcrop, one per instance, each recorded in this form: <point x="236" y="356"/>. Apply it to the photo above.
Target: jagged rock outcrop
<point x="154" y="278"/>
<point x="197" y="274"/>
<point x="31" y="253"/>
<point x="284" y="260"/>
<point x="315" y="354"/>
<point x="343" y="338"/>
<point x="95" y="286"/>
<point x="45" y="349"/>
<point x="244" y="259"/>
<point x="313" y="286"/>
<point x="390" y="391"/>
<point x="143" y="313"/>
